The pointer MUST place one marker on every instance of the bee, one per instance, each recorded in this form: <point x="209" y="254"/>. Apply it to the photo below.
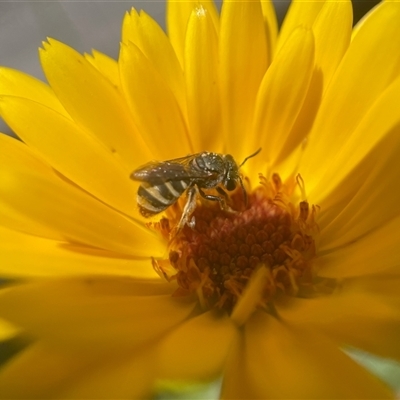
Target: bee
<point x="164" y="182"/>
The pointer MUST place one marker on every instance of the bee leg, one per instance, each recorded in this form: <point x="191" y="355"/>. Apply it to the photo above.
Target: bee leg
<point x="222" y="200"/>
<point x="188" y="209"/>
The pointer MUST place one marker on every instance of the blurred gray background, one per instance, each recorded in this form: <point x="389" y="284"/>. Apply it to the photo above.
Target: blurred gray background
<point x="83" y="25"/>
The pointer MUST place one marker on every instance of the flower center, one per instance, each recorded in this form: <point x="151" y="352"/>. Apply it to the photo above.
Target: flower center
<point x="217" y="255"/>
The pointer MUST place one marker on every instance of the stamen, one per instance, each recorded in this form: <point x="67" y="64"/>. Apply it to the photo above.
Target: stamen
<point x="302" y="186"/>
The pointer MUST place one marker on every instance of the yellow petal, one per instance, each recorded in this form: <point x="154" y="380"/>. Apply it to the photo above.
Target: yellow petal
<point x="296" y="138"/>
<point x="383" y="286"/>
<point x="91" y="315"/>
<point x="11" y="218"/>
<point x="243" y="62"/>
<point x="51" y="372"/>
<point x="201" y="68"/>
<point x="369" y="66"/>
<point x="71" y="151"/>
<point x="365" y="315"/>
<point x="178" y="14"/>
<point x="376" y="124"/>
<point x="362" y="20"/>
<point x="7" y="330"/>
<point x="332" y="32"/>
<point x="127" y="376"/>
<point x="42" y="369"/>
<point x="141" y="30"/>
<point x="271" y="26"/>
<point x="154" y="107"/>
<point x="197" y="350"/>
<point x="107" y="66"/>
<point x="43" y="258"/>
<point x="251" y="296"/>
<point x="374" y="202"/>
<point x="18" y="84"/>
<point x="376" y="252"/>
<point x="36" y="193"/>
<point x="300" y="14"/>
<point x="93" y="102"/>
<point x="281" y="96"/>
<point x="281" y="361"/>
<point x="237" y="384"/>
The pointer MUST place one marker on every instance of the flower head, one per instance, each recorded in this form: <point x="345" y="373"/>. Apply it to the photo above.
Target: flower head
<point x="264" y="284"/>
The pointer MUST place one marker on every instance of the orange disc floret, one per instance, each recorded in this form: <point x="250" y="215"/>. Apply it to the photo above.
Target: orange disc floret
<point x="216" y="255"/>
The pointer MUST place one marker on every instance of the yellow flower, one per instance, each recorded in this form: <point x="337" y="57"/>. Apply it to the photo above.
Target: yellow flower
<point x="267" y="295"/>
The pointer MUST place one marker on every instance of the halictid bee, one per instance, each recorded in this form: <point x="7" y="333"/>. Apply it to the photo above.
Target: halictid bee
<point x="165" y="181"/>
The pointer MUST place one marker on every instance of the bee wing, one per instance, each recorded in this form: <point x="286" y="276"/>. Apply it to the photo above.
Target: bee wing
<point x="171" y="170"/>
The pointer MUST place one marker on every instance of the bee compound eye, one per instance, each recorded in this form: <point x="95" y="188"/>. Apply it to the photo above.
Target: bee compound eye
<point x="231" y="185"/>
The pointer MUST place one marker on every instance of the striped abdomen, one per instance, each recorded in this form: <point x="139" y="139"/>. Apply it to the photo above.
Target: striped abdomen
<point x="155" y="198"/>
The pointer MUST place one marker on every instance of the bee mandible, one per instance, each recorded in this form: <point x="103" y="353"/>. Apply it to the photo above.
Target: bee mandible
<point x="164" y="182"/>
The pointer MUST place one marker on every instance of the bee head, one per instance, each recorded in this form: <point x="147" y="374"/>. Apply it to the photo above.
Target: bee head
<point x="231" y="173"/>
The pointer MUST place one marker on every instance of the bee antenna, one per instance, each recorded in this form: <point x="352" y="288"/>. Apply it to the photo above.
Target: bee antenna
<point x="250" y="156"/>
<point x="244" y="191"/>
